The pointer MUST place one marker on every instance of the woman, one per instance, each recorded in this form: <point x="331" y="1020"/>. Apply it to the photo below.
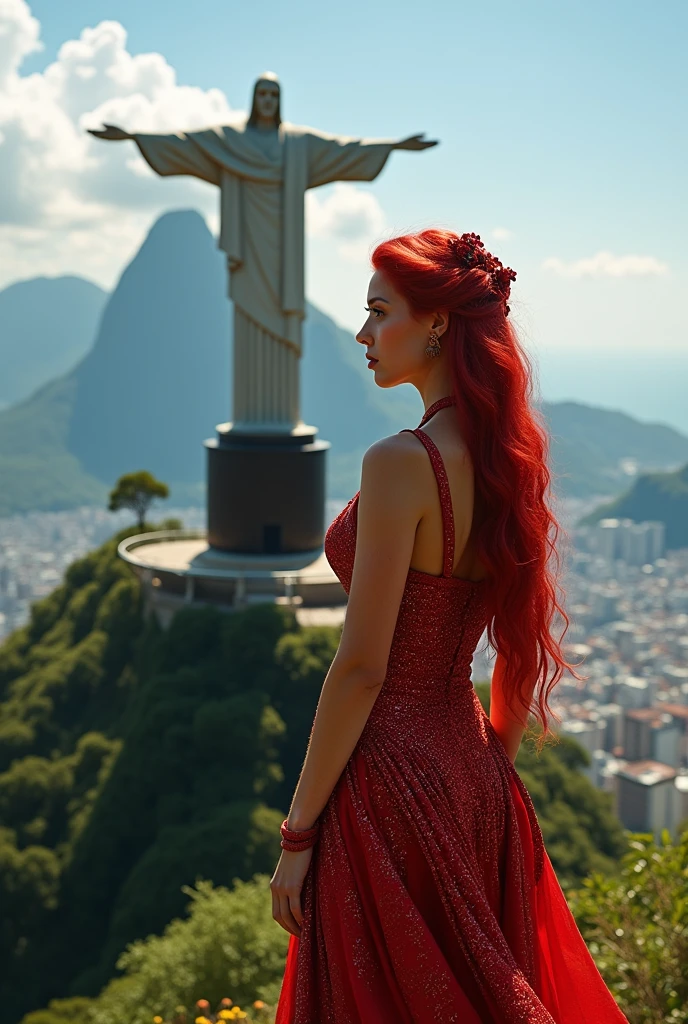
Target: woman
<point x="429" y="895"/>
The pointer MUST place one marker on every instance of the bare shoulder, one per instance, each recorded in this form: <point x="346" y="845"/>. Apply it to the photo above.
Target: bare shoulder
<point x="400" y="456"/>
<point x="398" y="471"/>
<point x="393" y="468"/>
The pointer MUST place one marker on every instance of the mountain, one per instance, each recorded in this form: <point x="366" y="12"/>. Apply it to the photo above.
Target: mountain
<point x="595" y="451"/>
<point x="47" y="325"/>
<point x="37" y="469"/>
<point x="158" y="378"/>
<point x="662" y="496"/>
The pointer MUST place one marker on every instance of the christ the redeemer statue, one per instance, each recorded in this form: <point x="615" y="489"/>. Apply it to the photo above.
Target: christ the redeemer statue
<point x="263" y="168"/>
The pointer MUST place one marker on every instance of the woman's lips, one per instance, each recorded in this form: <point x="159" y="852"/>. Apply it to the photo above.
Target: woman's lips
<point x="371" y="362"/>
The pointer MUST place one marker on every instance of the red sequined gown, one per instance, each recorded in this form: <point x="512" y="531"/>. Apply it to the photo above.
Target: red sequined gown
<point x="430" y="896"/>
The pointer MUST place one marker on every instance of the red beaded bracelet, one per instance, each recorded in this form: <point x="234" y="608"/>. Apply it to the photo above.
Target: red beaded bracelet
<point x="301" y="839"/>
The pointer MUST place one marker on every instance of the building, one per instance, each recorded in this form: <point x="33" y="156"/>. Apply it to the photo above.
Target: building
<point x="624" y="634"/>
<point x="589" y="733"/>
<point x="675" y="675"/>
<point x="634" y="543"/>
<point x="613" y="717"/>
<point x="679" y="715"/>
<point x="635" y="691"/>
<point x="656" y="539"/>
<point x="604" y="603"/>
<point x="654" y="734"/>
<point x="647" y="796"/>
<point x="604" y="772"/>
<point x="607" y="543"/>
<point x="681" y="783"/>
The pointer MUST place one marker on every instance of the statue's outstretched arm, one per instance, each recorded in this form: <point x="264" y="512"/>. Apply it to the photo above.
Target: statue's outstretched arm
<point x="340" y="158"/>
<point x="167" y="154"/>
<point x="416" y="142"/>
<point x="110" y="132"/>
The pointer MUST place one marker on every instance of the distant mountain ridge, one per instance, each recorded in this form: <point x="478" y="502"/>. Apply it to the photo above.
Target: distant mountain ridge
<point x="592" y="446"/>
<point x="46" y="325"/>
<point x="158" y="378"/>
<point x="662" y="496"/>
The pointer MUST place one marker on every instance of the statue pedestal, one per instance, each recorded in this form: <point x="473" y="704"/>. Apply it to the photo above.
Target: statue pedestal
<point x="179" y="570"/>
<point x="266" y="490"/>
<point x="266" y="530"/>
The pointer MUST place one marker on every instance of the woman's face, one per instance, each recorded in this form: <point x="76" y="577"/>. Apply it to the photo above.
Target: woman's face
<point x="393" y="337"/>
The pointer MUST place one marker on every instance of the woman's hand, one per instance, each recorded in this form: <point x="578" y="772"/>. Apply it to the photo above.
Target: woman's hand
<point x="286" y="885"/>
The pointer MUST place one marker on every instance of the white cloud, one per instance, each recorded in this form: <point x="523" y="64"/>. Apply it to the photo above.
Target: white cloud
<point x="19" y="32"/>
<point x="352" y="218"/>
<point x="502" y="234"/>
<point x="61" y="186"/>
<point x="605" y="264"/>
<point x="71" y="203"/>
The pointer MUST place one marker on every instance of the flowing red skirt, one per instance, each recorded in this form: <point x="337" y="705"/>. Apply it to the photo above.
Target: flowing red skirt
<point x="434" y="942"/>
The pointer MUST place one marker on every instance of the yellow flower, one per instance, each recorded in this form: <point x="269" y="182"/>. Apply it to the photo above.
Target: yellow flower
<point x="226" y="1014"/>
<point x="203" y="1020"/>
<point x="157" y="1019"/>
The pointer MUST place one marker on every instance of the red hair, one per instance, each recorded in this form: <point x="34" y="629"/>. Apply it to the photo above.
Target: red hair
<point x="492" y="384"/>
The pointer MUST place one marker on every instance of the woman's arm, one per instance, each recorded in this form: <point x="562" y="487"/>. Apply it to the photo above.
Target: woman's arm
<point x="346" y="700"/>
<point x="388" y="514"/>
<point x="509" y="725"/>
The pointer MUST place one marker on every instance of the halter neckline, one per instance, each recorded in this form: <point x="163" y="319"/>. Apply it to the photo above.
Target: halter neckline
<point x="441" y="403"/>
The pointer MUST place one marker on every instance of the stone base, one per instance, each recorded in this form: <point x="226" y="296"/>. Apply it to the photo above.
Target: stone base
<point x="266" y="491"/>
<point x="178" y="568"/>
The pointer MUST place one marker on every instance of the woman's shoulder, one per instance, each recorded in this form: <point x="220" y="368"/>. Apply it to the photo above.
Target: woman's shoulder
<point x="399" y="450"/>
<point x="394" y="466"/>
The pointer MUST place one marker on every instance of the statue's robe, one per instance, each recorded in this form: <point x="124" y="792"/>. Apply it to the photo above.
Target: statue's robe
<point x="263" y="177"/>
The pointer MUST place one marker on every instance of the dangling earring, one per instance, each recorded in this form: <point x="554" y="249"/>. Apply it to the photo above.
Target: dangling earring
<point x="433" y="348"/>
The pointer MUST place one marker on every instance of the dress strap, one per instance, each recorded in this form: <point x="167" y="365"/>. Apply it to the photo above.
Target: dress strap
<point x="441" y="403"/>
<point x="445" y="496"/>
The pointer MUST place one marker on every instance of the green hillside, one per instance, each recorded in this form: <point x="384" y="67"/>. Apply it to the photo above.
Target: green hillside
<point x="662" y="496"/>
<point x="133" y="761"/>
<point x="37" y="470"/>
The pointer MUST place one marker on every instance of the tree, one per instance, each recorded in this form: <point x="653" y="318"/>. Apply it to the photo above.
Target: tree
<point x="227" y="944"/>
<point x="137" y="491"/>
<point x="636" y="925"/>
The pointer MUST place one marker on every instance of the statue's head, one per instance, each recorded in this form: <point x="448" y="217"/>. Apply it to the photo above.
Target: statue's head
<point x="265" y="107"/>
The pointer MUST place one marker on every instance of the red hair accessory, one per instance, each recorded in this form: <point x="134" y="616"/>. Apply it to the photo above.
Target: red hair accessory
<point x="470" y="252"/>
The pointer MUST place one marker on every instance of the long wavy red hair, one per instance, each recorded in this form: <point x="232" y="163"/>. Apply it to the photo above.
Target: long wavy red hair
<point x="492" y="383"/>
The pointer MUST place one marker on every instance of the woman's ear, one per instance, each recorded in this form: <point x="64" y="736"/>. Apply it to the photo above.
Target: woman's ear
<point x="440" y="322"/>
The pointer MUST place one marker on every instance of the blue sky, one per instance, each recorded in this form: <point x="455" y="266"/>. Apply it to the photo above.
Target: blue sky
<point x="562" y="143"/>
